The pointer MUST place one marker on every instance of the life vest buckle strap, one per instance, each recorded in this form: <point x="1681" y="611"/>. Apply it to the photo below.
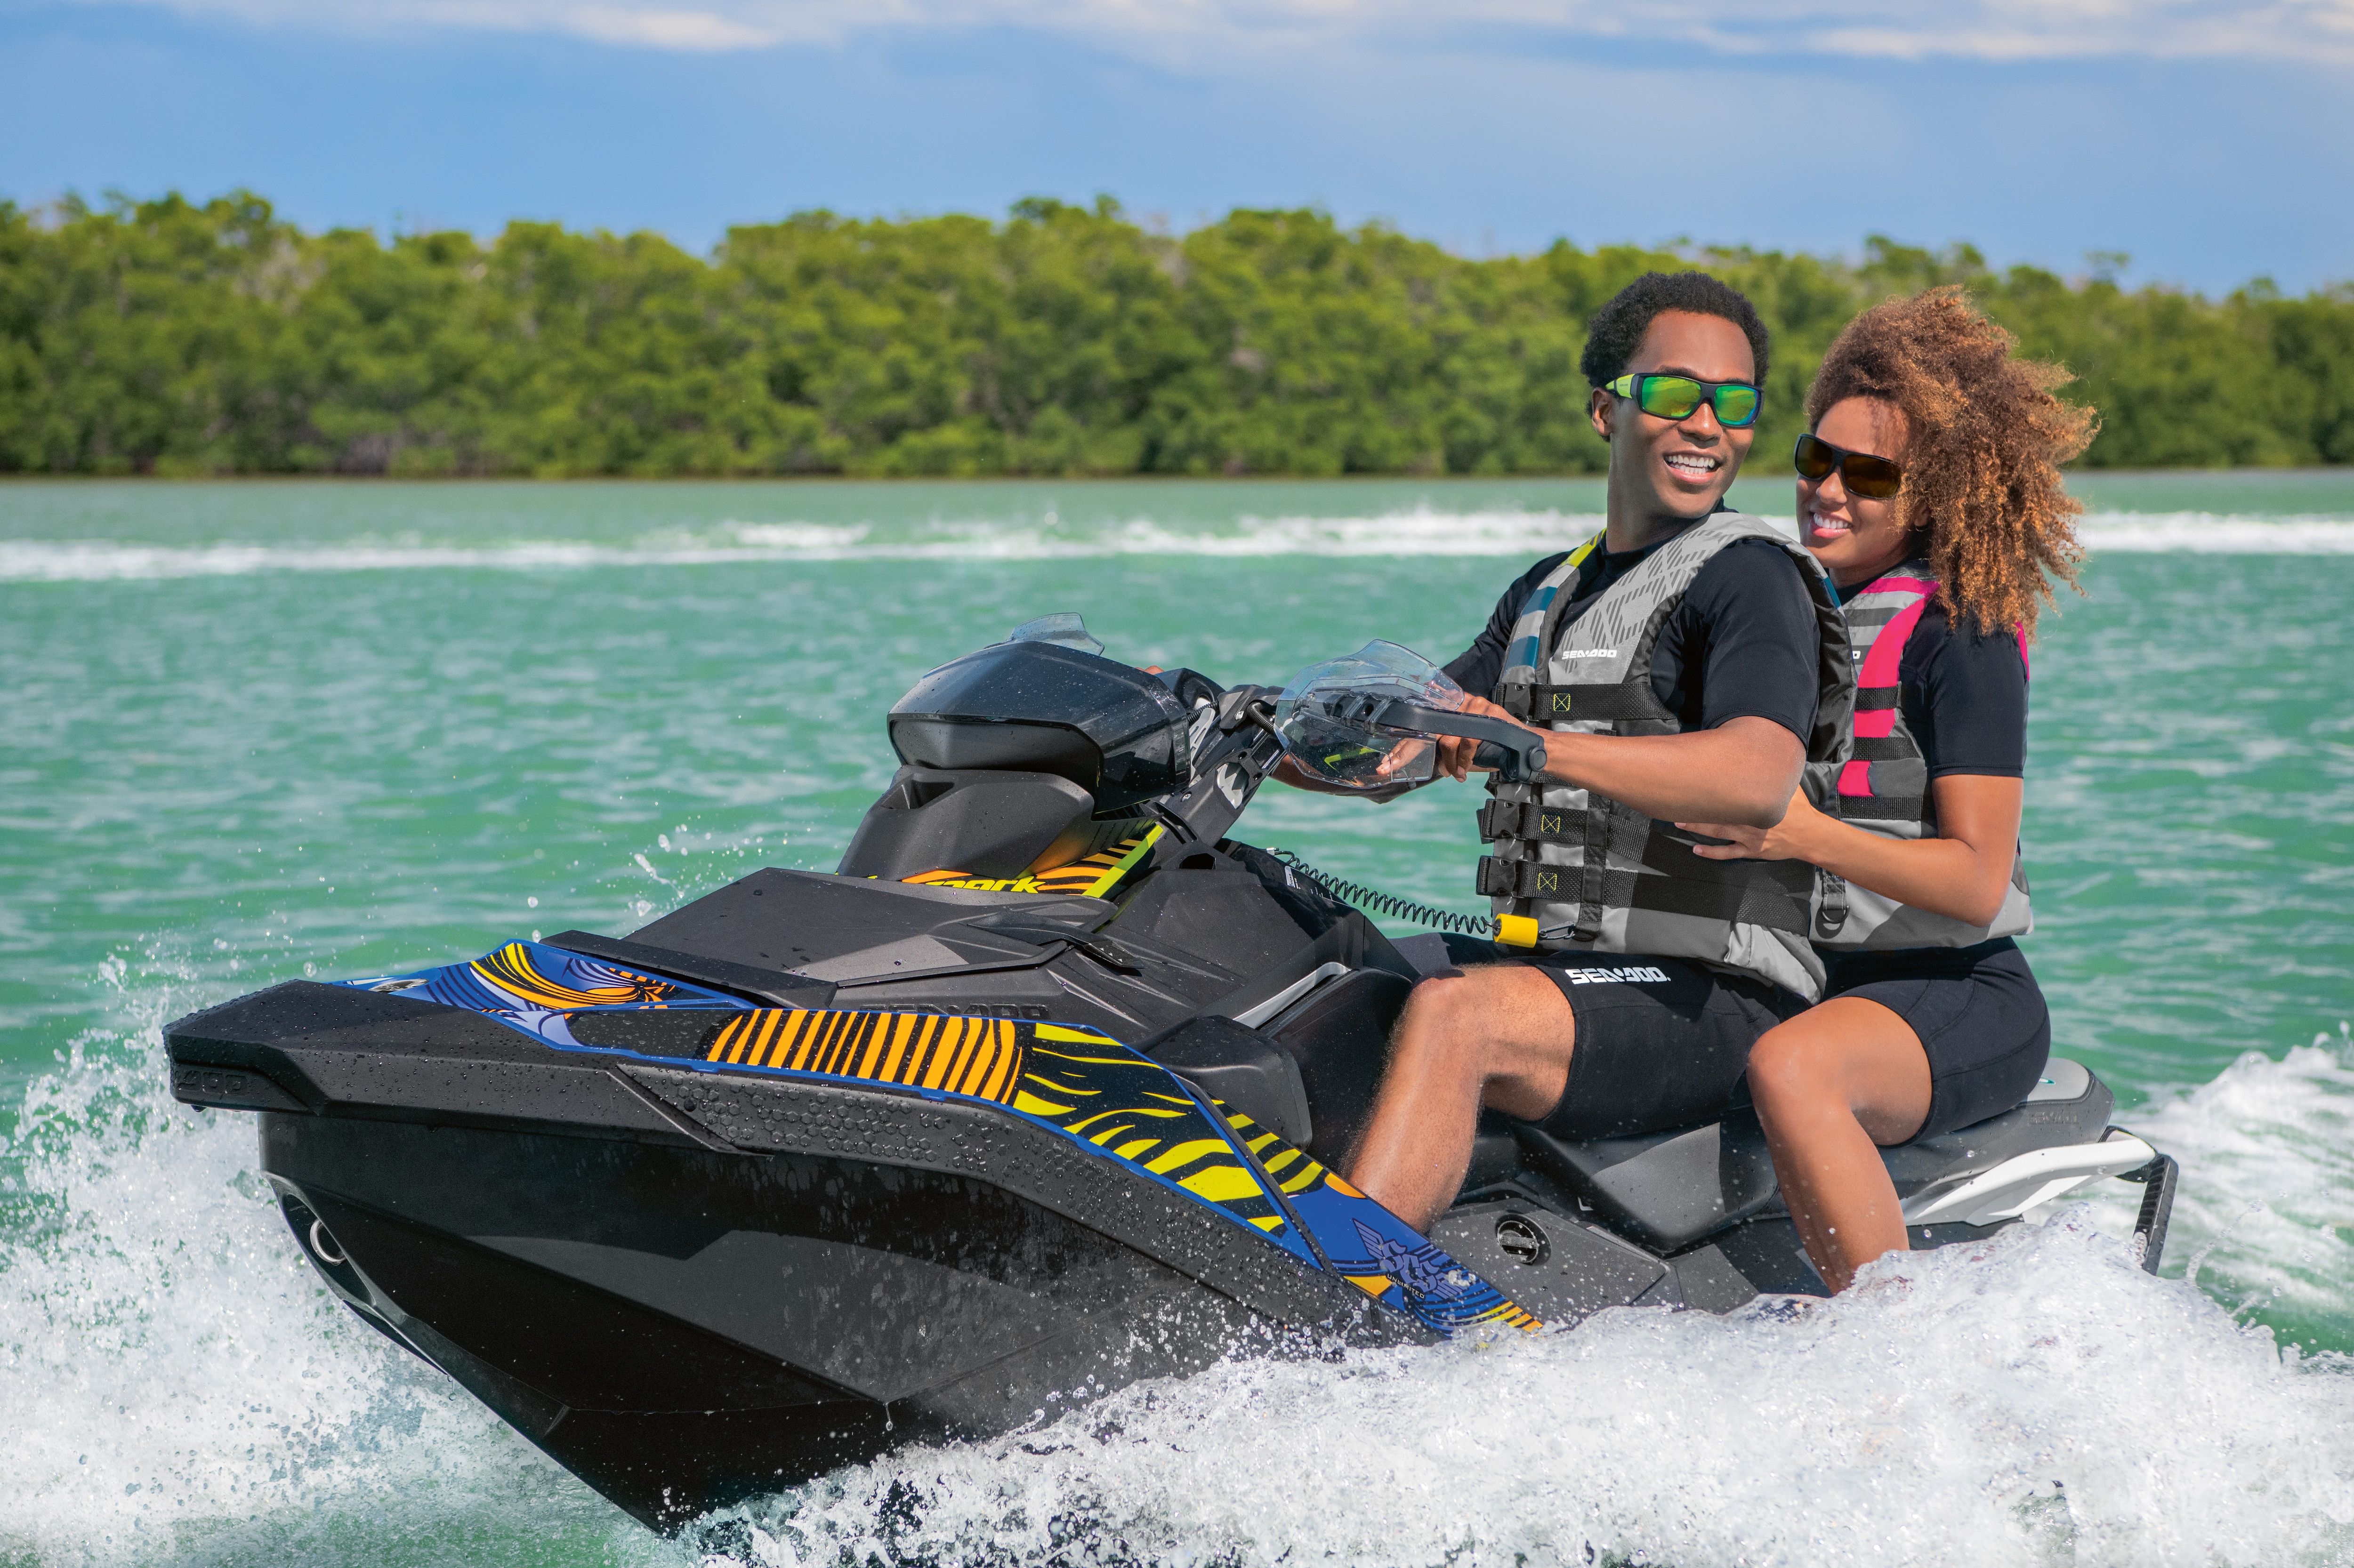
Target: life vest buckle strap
<point x="1759" y="900"/>
<point x="1530" y="823"/>
<point x="1524" y="879"/>
<point x="1830" y="907"/>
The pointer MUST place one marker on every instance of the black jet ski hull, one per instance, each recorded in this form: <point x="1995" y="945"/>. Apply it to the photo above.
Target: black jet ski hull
<point x="731" y="1248"/>
<point x="682" y="1327"/>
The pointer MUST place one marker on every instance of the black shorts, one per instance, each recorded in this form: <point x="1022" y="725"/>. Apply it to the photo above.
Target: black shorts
<point x="1978" y="1014"/>
<point x="1661" y="1043"/>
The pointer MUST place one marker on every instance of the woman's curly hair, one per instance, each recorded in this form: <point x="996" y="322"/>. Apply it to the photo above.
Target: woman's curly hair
<point x="1985" y="438"/>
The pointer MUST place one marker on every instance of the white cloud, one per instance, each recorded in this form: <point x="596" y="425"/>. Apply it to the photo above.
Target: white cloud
<point x="1206" y="30"/>
<point x="699" y="30"/>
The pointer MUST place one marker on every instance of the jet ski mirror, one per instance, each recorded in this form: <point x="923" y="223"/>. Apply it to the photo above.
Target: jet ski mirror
<point x="1368" y="722"/>
<point x="1064" y="629"/>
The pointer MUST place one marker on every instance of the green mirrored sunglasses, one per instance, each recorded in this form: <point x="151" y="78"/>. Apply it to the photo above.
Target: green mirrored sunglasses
<point x="1675" y="397"/>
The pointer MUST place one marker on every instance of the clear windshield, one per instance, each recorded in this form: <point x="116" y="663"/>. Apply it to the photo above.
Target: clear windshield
<point x="1065" y="629"/>
<point x="1319" y="717"/>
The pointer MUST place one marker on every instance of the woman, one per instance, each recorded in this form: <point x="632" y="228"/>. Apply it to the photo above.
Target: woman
<point x="1929" y="488"/>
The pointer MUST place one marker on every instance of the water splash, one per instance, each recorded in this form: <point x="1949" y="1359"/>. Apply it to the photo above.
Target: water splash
<point x="174" y="1385"/>
<point x="2035" y="1395"/>
<point x="2266" y="1205"/>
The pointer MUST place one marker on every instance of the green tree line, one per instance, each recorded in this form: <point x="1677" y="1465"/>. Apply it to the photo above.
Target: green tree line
<point x="171" y="337"/>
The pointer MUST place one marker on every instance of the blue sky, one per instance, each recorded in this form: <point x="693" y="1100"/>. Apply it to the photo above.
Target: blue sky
<point x="2210" y="141"/>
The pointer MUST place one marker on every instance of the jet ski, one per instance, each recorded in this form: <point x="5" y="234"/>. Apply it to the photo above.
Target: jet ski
<point x="1048" y="1089"/>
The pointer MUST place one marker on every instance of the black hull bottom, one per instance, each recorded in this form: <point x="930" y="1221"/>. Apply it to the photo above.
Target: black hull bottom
<point x="839" y="1309"/>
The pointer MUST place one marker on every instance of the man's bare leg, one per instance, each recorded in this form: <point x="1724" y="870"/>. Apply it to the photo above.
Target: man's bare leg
<point x="1497" y="1036"/>
<point x="1831" y="1087"/>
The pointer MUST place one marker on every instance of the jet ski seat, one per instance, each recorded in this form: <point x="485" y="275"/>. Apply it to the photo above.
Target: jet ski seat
<point x="1671" y="1189"/>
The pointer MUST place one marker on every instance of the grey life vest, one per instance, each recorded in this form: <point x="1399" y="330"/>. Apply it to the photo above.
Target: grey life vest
<point x="1577" y="870"/>
<point x="1884" y="786"/>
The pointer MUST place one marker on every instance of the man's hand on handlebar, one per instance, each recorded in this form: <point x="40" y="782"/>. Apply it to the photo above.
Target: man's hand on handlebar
<point x="1455" y="751"/>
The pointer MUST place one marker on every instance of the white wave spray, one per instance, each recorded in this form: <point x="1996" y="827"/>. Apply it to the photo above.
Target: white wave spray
<point x="2266" y="1206"/>
<point x="2033" y="1400"/>
<point x="175" y="1386"/>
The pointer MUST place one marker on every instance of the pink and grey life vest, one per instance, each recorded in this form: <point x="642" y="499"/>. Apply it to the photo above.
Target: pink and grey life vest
<point x="1577" y="870"/>
<point x="1883" y="788"/>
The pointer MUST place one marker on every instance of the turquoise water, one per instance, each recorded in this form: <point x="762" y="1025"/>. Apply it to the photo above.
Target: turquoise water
<point x="255" y="731"/>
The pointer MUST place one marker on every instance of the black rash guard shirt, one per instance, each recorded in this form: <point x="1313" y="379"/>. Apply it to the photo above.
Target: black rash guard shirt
<point x="1742" y="643"/>
<point x="1964" y="693"/>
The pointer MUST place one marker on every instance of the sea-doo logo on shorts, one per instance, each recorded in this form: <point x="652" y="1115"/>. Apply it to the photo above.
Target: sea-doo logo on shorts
<point x="1631" y="974"/>
<point x="1589" y="652"/>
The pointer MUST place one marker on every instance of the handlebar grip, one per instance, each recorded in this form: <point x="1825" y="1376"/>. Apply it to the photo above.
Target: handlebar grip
<point x="1513" y="764"/>
<point x="1514" y="752"/>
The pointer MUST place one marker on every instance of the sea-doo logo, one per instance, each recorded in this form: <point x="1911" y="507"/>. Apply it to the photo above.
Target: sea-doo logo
<point x="1587" y="653"/>
<point x="1631" y="974"/>
<point x="972" y="1008"/>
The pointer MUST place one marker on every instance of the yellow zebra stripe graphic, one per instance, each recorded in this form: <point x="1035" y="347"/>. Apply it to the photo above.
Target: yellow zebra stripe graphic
<point x="1083" y="1083"/>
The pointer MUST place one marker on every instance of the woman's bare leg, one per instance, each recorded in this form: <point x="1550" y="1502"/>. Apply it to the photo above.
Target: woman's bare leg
<point x="1499" y="1036"/>
<point x="1831" y="1086"/>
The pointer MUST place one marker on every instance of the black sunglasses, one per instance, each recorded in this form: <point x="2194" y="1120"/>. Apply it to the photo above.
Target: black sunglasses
<point x="1875" y="478"/>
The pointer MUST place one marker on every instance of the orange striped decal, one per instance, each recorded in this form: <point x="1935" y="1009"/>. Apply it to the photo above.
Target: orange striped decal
<point x="980" y="1057"/>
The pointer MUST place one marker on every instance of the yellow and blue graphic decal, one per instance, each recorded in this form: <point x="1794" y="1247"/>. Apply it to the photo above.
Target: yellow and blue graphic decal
<point x="1371" y="1248"/>
<point x="1085" y="1086"/>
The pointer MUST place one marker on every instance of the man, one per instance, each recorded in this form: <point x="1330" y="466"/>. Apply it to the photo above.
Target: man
<point x="1684" y="665"/>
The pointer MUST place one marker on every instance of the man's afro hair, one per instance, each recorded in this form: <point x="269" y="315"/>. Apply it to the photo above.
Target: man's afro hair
<point x="1616" y="329"/>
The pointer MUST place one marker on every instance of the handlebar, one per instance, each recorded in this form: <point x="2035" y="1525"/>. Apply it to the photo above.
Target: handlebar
<point x="1515" y="753"/>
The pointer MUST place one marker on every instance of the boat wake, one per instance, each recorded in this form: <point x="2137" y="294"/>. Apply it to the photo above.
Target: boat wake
<point x="174" y="1385"/>
<point x="1419" y="531"/>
